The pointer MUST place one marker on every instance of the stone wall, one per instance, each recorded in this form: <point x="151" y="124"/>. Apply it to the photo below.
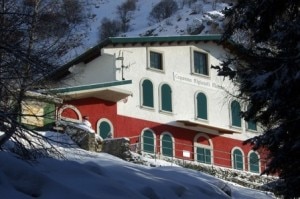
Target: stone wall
<point x="119" y="147"/>
<point x="82" y="137"/>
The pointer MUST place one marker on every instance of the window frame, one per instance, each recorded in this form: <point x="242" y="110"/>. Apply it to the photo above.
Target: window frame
<point x="161" y="98"/>
<point x="100" y="121"/>
<point x="161" y="144"/>
<point x="233" y="159"/>
<point x="233" y="115"/>
<point x="162" y="62"/>
<point x="197" y="107"/>
<point x="206" y="54"/>
<point x="203" y="146"/>
<point x="143" y="93"/>
<point x="249" y="162"/>
<point x="143" y="141"/>
<point x="251" y="123"/>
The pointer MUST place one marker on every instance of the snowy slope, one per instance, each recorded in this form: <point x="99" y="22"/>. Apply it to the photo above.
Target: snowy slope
<point x="204" y="13"/>
<point x="92" y="175"/>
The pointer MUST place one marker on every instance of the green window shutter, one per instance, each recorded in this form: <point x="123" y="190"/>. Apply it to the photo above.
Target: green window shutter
<point x="200" y="63"/>
<point x="49" y="114"/>
<point x="203" y="155"/>
<point x="104" y="129"/>
<point x="252" y="125"/>
<point x="235" y="114"/>
<point x="207" y="156"/>
<point x="147" y="93"/>
<point x="238" y="160"/>
<point x="167" y="145"/>
<point x="156" y="60"/>
<point x="166" y="98"/>
<point x="254" y="162"/>
<point x="201" y="106"/>
<point x="200" y="155"/>
<point x="148" y="141"/>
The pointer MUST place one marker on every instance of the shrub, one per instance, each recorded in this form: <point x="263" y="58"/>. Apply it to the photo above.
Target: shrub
<point x="109" y="28"/>
<point x="124" y="12"/>
<point x="163" y="10"/>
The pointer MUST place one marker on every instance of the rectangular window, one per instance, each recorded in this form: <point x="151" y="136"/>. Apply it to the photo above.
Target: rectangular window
<point x="200" y="63"/>
<point x="156" y="60"/>
<point x="203" y="155"/>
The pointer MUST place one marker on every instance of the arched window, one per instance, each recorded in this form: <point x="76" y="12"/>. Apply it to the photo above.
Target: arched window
<point x="147" y="93"/>
<point x="236" y="114"/>
<point x="105" y="128"/>
<point x="237" y="159"/>
<point x="148" y="141"/>
<point x="166" y="98"/>
<point x="253" y="162"/>
<point x="69" y="113"/>
<point x="203" y="149"/>
<point x="167" y="145"/>
<point x="201" y="104"/>
<point x="251" y="125"/>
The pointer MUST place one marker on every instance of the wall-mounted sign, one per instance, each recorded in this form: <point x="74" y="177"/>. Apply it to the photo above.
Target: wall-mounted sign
<point x="188" y="79"/>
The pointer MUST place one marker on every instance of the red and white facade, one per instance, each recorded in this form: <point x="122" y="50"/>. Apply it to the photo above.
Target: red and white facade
<point x="155" y="91"/>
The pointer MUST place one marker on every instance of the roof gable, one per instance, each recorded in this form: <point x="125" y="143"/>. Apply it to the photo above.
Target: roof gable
<point x="95" y="52"/>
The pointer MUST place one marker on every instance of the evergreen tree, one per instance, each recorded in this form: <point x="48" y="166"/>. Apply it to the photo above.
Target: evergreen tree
<point x="264" y="37"/>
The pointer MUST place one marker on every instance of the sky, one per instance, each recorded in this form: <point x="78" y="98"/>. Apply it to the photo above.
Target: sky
<point x="91" y="175"/>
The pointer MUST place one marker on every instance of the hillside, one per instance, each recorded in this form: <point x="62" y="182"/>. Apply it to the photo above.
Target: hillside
<point x="194" y="17"/>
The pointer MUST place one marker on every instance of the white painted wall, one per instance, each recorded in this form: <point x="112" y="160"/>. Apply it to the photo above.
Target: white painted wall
<point x="177" y="65"/>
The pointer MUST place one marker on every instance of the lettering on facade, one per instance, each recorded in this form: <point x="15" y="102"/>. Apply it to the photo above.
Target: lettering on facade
<point x="194" y="81"/>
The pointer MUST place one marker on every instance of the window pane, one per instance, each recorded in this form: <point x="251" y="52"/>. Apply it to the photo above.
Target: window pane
<point x="167" y="146"/>
<point x="201" y="106"/>
<point x="148" y="141"/>
<point x="147" y="93"/>
<point x="156" y="60"/>
<point x="235" y="114"/>
<point x="166" y="98"/>
<point x="200" y="63"/>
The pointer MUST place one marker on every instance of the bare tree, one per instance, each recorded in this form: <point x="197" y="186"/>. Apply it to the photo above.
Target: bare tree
<point x="34" y="35"/>
<point x="163" y="10"/>
<point x="109" y="28"/>
<point x="124" y="12"/>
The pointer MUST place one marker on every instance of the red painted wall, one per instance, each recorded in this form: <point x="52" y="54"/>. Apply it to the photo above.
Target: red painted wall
<point x="132" y="127"/>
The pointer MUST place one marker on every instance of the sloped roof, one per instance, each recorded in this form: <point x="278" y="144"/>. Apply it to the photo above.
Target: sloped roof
<point x="96" y="50"/>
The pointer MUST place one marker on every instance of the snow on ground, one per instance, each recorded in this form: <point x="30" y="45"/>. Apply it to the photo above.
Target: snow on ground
<point x="92" y="175"/>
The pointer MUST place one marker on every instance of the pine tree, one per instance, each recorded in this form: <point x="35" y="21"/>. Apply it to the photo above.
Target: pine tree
<point x="264" y="37"/>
